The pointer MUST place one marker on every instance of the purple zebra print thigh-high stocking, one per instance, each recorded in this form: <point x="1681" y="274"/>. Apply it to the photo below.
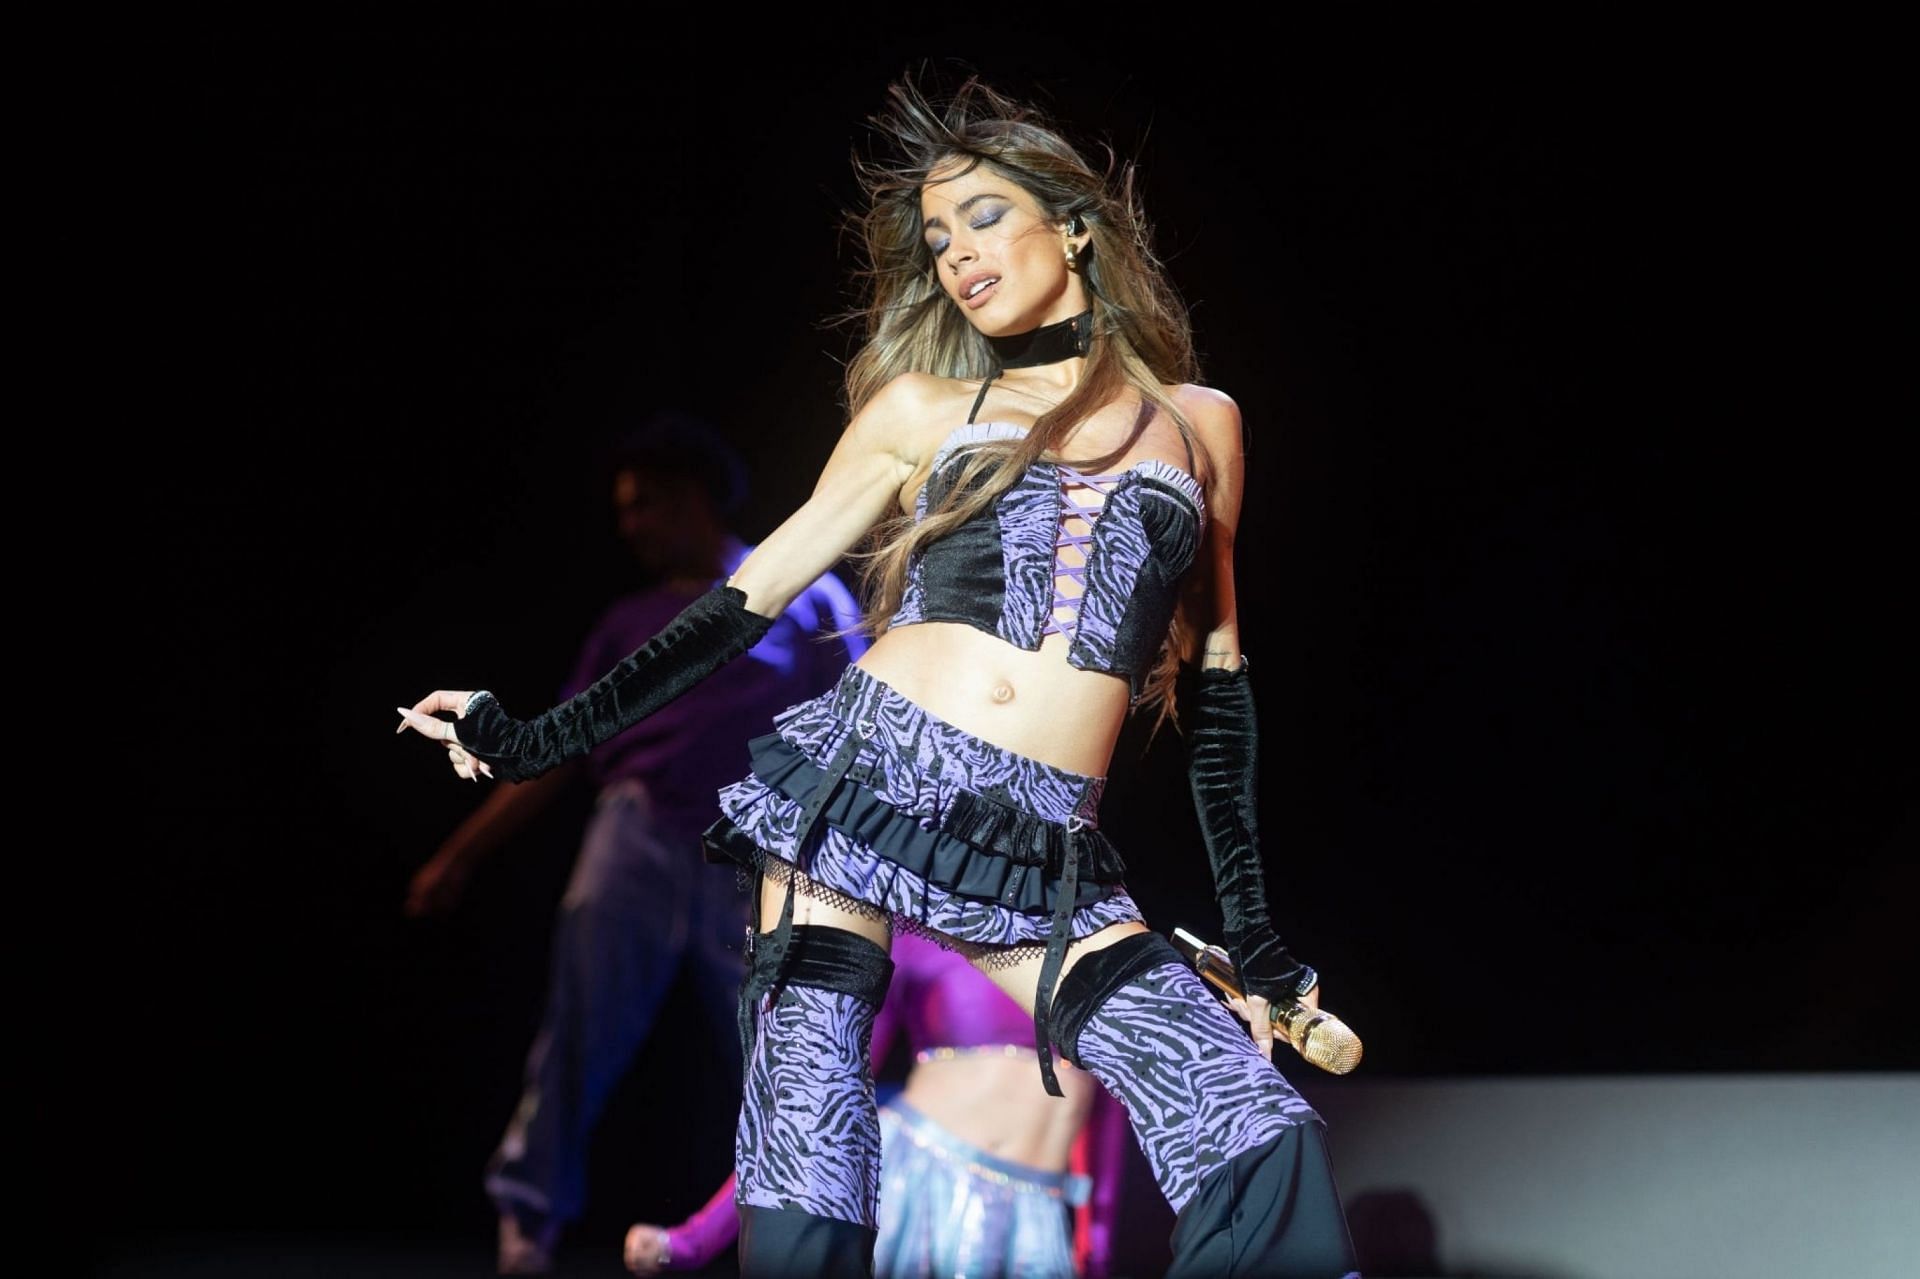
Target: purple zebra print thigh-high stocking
<point x="1238" y="1153"/>
<point x="807" y="1151"/>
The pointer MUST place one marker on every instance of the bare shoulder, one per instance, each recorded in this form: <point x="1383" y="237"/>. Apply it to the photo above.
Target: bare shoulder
<point x="1215" y="419"/>
<point x="913" y="413"/>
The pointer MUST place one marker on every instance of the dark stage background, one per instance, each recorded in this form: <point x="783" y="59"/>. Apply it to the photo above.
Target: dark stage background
<point x="1569" y="562"/>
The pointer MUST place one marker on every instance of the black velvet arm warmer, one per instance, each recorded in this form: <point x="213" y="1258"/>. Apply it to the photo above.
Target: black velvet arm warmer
<point x="709" y="633"/>
<point x="1223" y="764"/>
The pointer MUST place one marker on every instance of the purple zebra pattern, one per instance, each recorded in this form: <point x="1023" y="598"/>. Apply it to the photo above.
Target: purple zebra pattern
<point x="1029" y="515"/>
<point x="924" y="762"/>
<point x="1196" y="1088"/>
<point x="847" y="866"/>
<point x="1120" y="548"/>
<point x="1028" y="518"/>
<point x="809" y="1134"/>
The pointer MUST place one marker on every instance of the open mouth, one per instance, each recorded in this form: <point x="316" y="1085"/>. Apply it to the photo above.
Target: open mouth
<point x="980" y="290"/>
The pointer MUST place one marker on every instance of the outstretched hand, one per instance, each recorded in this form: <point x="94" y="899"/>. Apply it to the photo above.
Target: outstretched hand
<point x="422" y="720"/>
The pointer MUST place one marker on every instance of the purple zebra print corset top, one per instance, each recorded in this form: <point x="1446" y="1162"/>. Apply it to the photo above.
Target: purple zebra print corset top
<point x="1096" y="558"/>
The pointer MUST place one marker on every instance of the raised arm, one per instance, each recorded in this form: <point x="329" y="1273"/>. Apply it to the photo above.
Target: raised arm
<point x="1216" y="701"/>
<point x="872" y="461"/>
<point x="860" y="483"/>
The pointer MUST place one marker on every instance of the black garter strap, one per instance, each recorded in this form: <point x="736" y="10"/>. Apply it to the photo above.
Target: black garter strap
<point x="1096" y="977"/>
<point x="768" y="954"/>
<point x="1025" y="840"/>
<point x="1056" y="956"/>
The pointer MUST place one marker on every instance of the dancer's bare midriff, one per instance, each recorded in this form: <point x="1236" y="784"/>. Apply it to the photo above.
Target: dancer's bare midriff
<point x="1029" y="702"/>
<point x="994" y="1101"/>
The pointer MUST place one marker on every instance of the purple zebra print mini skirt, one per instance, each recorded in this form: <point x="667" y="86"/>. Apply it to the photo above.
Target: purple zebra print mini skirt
<point x="952" y="836"/>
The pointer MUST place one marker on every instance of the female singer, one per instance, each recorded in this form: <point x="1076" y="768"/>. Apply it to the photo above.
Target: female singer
<point x="1051" y="500"/>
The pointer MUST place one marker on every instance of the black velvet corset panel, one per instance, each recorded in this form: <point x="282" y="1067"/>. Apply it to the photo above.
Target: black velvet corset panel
<point x="1002" y="571"/>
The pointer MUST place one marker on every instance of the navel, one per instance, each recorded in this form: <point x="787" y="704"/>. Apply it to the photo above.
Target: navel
<point x="1002" y="692"/>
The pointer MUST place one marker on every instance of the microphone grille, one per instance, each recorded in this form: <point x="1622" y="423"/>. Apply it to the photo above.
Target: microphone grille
<point x="1330" y="1044"/>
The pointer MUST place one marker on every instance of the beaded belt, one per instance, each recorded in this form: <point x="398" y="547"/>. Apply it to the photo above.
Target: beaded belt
<point x="1070" y="1187"/>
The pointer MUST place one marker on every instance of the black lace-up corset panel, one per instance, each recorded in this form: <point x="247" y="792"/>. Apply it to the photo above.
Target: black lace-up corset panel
<point x="1097" y="558"/>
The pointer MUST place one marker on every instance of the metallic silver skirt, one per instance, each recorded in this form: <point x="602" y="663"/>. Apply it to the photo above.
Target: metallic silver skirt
<point x="949" y="1209"/>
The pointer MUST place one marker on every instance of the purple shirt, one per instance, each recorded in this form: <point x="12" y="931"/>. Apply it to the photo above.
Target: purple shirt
<point x="696" y="744"/>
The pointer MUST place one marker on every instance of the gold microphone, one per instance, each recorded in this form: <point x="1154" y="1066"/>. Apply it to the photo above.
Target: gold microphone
<point x="1320" y="1037"/>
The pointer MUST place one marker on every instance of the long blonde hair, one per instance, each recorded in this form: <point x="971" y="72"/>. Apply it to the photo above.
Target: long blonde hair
<point x="1141" y="336"/>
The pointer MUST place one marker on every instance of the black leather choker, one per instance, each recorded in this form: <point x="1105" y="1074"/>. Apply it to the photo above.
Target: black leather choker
<point x="1048" y="344"/>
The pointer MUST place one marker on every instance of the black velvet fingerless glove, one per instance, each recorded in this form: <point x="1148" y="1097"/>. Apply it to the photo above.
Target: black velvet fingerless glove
<point x="709" y="633"/>
<point x="1223" y="765"/>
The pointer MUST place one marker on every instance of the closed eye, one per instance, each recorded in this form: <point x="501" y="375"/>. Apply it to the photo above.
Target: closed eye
<point x="981" y="223"/>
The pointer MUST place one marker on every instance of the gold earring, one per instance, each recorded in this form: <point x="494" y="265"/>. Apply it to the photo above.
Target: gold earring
<point x="1073" y="256"/>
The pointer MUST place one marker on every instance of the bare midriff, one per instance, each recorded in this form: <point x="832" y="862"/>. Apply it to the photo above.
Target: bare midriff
<point x="1030" y="703"/>
<point x="997" y="1104"/>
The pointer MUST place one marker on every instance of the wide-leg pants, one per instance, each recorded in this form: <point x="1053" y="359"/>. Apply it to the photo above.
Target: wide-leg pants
<point x="638" y="912"/>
